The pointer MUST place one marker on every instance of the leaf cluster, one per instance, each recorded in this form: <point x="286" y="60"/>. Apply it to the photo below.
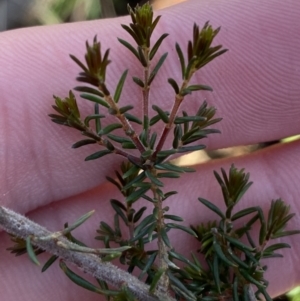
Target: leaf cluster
<point x="141" y="30"/>
<point x="140" y="230"/>
<point x="233" y="265"/>
<point x="199" y="54"/>
<point x="94" y="72"/>
<point x="69" y="112"/>
<point x="189" y="129"/>
<point x="142" y="25"/>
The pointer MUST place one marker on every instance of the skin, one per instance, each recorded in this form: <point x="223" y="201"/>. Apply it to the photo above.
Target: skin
<point x="256" y="91"/>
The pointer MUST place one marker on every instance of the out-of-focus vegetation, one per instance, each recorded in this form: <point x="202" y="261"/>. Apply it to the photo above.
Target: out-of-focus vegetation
<point x="294" y="295"/>
<point x="61" y="11"/>
<point x="24" y="13"/>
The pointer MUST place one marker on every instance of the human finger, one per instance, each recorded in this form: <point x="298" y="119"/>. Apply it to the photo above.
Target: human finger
<point x="256" y="104"/>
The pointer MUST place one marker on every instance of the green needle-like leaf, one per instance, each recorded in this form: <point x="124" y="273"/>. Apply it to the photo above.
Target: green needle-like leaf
<point x="49" y="262"/>
<point x="89" y="90"/>
<point x="180" y="227"/>
<point x="165" y="237"/>
<point x="110" y="128"/>
<point x="156" y="68"/>
<point x="83" y="142"/>
<point x="250" y="240"/>
<point x="118" y="138"/>
<point x="153" y="178"/>
<point x="97" y="120"/>
<point x="139" y="214"/>
<point x="78" y="222"/>
<point x="166" y="153"/>
<point x="262" y="232"/>
<point x="189" y="67"/>
<point x="120" y="86"/>
<point x="154" y="119"/>
<point x="137" y="194"/>
<point x="92" y="117"/>
<point x="114" y="250"/>
<point x="139" y="178"/>
<point x="212" y="207"/>
<point x="163" y="115"/>
<point x="144" y="232"/>
<point x="119" y="208"/>
<point x="156" y="46"/>
<point x="130" y="47"/>
<point x="168" y="175"/>
<point x="221" y="255"/>
<point x="174" y="85"/>
<point x="142" y="57"/>
<point x="148" y="264"/>
<point x="190" y="148"/>
<point x="174" y="218"/>
<point x="177" y="283"/>
<point x="244" y="212"/>
<point x="128" y="145"/>
<point x="252" y="280"/>
<point x="82" y="282"/>
<point x="266" y="295"/>
<point x="95" y="99"/>
<point x="110" y="257"/>
<point x="147" y="153"/>
<point x="150" y="232"/>
<point x="275" y="247"/>
<point x="77" y="61"/>
<point x="172" y="167"/>
<point x="181" y="59"/>
<point x="179" y="120"/>
<point x="285" y="233"/>
<point x="97" y="155"/>
<point x="156" y="279"/>
<point x="190" y="133"/>
<point x="132" y="118"/>
<point x="106" y="228"/>
<point x="238" y="244"/>
<point x="182" y="258"/>
<point x="236" y="259"/>
<point x="216" y="273"/>
<point x="235" y="294"/>
<point x="124" y="109"/>
<point x="199" y="87"/>
<point x="132" y="33"/>
<point x="58" y="118"/>
<point x="144" y="223"/>
<point x="30" y="251"/>
<point x="138" y="81"/>
<point x="133" y="170"/>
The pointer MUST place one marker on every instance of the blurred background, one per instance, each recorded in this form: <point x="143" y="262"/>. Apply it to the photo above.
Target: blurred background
<point x="23" y="13"/>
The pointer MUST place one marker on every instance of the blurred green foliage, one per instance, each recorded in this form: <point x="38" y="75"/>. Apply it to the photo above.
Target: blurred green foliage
<point x="61" y="11"/>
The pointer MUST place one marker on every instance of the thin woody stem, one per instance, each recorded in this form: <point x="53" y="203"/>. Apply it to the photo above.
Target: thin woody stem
<point x="146" y="91"/>
<point x="22" y="227"/>
<point x="130" y="223"/>
<point x="168" y="126"/>
<point x="129" y="131"/>
<point x="162" y="248"/>
<point x="178" y="100"/>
